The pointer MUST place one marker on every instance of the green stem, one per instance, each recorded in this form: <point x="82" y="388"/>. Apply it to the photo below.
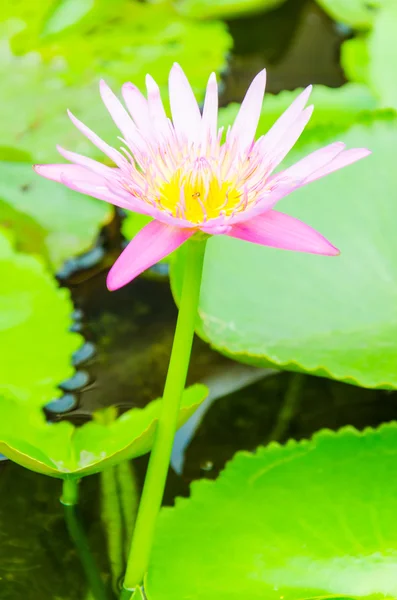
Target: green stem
<point x="156" y="476"/>
<point x="288" y="408"/>
<point x="112" y="520"/>
<point x="129" y="499"/>
<point x="69" y="499"/>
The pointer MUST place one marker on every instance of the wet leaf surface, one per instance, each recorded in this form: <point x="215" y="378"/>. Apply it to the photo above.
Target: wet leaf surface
<point x="34" y="330"/>
<point x="313" y="520"/>
<point x="46" y="217"/>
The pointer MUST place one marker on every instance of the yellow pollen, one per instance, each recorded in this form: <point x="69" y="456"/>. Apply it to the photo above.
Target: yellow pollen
<point x="199" y="196"/>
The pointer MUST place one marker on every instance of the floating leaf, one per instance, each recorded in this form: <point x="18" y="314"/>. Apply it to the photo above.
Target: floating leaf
<point x="120" y="41"/>
<point x="48" y="218"/>
<point x="63" y="450"/>
<point x="329" y="316"/>
<point x="355" y="59"/>
<point x="383" y="55"/>
<point x="34" y="322"/>
<point x="335" y="109"/>
<point x="357" y="13"/>
<point x="64" y="14"/>
<point x="363" y="58"/>
<point x="309" y="519"/>
<point x="224" y="9"/>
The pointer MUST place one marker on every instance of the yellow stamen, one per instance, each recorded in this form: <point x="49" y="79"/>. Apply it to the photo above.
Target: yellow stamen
<point x="199" y="196"/>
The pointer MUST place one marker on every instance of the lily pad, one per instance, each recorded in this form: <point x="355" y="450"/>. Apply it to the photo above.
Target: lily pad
<point x="308" y="519"/>
<point x="383" y="55"/>
<point x="363" y="57"/>
<point x="48" y="218"/>
<point x="34" y="322"/>
<point x="355" y="59"/>
<point x="63" y="450"/>
<point x="334" y="317"/>
<point x="119" y="41"/>
<point x="224" y="9"/>
<point x="356" y="13"/>
<point x="335" y="109"/>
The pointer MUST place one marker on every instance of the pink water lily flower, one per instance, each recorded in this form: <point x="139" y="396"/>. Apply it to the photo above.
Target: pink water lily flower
<point x="181" y="173"/>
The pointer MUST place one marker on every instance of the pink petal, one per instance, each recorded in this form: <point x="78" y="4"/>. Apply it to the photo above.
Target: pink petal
<point x="82" y="180"/>
<point x="289" y="140"/>
<point x="137" y="106"/>
<point x="310" y="164"/>
<point x="186" y="115"/>
<point x="210" y="111"/>
<point x="282" y="126"/>
<point x="156" y="108"/>
<point x="341" y="160"/>
<point x="150" y="245"/>
<point x="118" y="113"/>
<point x="89" y="163"/>
<point x="278" y="230"/>
<point x="113" y="154"/>
<point x="246" y="122"/>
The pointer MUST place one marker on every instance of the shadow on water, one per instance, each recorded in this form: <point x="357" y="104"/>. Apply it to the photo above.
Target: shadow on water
<point x="128" y="339"/>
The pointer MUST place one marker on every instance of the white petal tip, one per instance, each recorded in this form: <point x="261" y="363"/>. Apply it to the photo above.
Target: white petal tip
<point x="72" y="117"/>
<point x="128" y="86"/>
<point x="262" y="73"/>
<point x="150" y="82"/>
<point x="61" y="150"/>
<point x="104" y="89"/>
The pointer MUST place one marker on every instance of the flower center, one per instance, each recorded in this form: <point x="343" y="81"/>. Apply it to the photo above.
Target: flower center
<point x="197" y="194"/>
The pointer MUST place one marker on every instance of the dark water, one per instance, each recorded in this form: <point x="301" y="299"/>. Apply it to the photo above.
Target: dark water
<point x="129" y="335"/>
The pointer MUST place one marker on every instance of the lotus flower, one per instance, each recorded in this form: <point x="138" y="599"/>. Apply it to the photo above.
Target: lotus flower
<point x="182" y="174"/>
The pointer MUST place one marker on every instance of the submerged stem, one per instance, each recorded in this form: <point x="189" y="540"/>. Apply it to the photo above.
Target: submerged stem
<point x="156" y="476"/>
<point x="288" y="408"/>
<point x="76" y="531"/>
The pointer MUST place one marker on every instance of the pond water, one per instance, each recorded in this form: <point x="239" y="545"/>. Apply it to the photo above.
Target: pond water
<point x="130" y="334"/>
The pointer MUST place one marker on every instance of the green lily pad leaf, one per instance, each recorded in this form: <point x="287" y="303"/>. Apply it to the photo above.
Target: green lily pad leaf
<point x="65" y="14"/>
<point x="34" y="323"/>
<point x="334" y="317"/>
<point x="48" y="218"/>
<point x="356" y="13"/>
<point x="363" y="58"/>
<point x="308" y="519"/>
<point x="381" y="44"/>
<point x="63" y="450"/>
<point x="63" y="70"/>
<point x="355" y="59"/>
<point x="335" y="109"/>
<point x="224" y="9"/>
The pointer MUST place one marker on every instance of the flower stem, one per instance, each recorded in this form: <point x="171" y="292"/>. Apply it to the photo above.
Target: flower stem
<point x="69" y="500"/>
<point x="288" y="407"/>
<point x="156" y="476"/>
